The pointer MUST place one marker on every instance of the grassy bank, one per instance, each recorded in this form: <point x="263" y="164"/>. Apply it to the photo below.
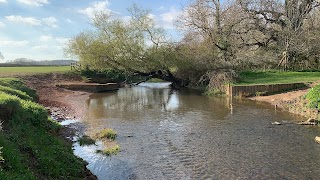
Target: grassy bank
<point x="276" y="77"/>
<point x="30" y="70"/>
<point x="29" y="141"/>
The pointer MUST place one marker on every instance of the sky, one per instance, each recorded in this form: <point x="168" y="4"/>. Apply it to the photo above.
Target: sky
<point x="40" y="29"/>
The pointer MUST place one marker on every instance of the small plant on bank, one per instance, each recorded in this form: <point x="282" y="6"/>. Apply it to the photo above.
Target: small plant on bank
<point x="313" y="96"/>
<point x="259" y="93"/>
<point x="106" y="133"/>
<point x="214" y="92"/>
<point x="86" y="140"/>
<point x="110" y="151"/>
<point x="1" y="158"/>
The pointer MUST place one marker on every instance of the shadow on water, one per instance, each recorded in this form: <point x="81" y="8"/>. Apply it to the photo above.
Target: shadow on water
<point x="169" y="134"/>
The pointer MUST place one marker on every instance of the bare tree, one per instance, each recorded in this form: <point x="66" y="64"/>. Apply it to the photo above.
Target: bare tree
<point x="280" y="22"/>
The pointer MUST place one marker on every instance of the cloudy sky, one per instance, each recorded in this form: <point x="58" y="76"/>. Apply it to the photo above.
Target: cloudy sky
<point x="39" y="29"/>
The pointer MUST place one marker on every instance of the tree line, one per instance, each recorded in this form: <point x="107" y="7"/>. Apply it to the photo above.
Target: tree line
<point x="220" y="39"/>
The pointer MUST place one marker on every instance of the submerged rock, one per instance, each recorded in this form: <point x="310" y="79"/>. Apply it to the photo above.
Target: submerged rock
<point x="317" y="139"/>
<point x="276" y="123"/>
<point x="310" y="121"/>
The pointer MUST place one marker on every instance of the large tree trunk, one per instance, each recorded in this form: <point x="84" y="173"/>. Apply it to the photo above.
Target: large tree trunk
<point x="165" y="75"/>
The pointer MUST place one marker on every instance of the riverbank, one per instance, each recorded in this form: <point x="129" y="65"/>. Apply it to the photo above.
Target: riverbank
<point x="292" y="101"/>
<point x="63" y="103"/>
<point x="38" y="149"/>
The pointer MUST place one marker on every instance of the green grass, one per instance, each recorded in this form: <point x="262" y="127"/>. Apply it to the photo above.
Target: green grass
<point x="31" y="146"/>
<point x="254" y="78"/>
<point x="31" y="70"/>
<point x="313" y="96"/>
<point x="16" y="87"/>
<point x="110" y="151"/>
<point x="106" y="133"/>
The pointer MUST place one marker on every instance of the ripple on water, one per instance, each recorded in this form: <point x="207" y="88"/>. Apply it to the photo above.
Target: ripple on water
<point x="182" y="135"/>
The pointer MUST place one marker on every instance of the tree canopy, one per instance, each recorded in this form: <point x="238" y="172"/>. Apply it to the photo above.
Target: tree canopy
<point x="218" y="36"/>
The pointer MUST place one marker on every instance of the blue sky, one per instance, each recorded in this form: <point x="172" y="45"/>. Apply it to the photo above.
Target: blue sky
<point x="39" y="29"/>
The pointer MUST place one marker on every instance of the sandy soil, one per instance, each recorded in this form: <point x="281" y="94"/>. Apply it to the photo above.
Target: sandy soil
<point x="281" y="100"/>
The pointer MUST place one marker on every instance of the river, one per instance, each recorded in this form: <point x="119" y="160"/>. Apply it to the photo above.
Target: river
<point x="169" y="134"/>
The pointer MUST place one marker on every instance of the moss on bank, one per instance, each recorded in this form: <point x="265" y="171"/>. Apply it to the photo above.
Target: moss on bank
<point x="31" y="146"/>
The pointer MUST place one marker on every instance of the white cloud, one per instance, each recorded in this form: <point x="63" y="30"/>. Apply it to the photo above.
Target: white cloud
<point x="10" y="43"/>
<point x="25" y="20"/>
<point x="45" y="38"/>
<point x="3" y="1"/>
<point x="49" y="39"/>
<point x="62" y="40"/>
<point x="49" y="21"/>
<point x="41" y="48"/>
<point x="96" y="7"/>
<point x="2" y="25"/>
<point x="168" y="19"/>
<point x="34" y="2"/>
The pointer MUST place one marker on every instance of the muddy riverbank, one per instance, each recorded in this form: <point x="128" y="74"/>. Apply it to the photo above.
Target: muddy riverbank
<point x="62" y="104"/>
<point x="292" y="101"/>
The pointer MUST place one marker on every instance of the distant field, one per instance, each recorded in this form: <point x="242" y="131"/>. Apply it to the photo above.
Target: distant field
<point x="247" y="78"/>
<point x="19" y="71"/>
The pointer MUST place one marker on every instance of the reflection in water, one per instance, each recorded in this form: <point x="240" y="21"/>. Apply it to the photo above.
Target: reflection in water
<point x="168" y="134"/>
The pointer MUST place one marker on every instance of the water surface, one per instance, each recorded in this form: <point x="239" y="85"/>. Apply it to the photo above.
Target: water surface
<point x="169" y="134"/>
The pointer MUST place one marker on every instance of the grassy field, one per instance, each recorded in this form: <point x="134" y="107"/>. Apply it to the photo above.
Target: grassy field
<point x="19" y="71"/>
<point x="248" y="78"/>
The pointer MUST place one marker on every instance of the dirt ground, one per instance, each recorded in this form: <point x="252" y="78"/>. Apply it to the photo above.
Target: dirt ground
<point x="65" y="104"/>
<point x="292" y="101"/>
